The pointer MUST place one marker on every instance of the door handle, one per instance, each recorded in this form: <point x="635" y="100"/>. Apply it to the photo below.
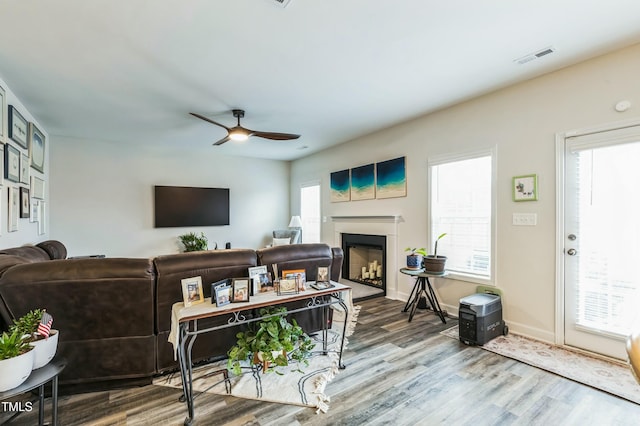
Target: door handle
<point x="572" y="252"/>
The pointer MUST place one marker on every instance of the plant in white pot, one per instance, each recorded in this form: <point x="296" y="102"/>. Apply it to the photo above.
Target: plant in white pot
<point x="35" y="327"/>
<point x="16" y="360"/>
<point x="434" y="263"/>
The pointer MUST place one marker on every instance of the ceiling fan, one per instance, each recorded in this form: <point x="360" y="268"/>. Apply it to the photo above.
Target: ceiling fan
<point x="239" y="133"/>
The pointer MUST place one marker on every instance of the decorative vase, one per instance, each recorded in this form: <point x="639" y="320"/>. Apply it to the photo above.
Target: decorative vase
<point x="45" y="349"/>
<point x="15" y="371"/>
<point x="434" y="264"/>
<point x="414" y="261"/>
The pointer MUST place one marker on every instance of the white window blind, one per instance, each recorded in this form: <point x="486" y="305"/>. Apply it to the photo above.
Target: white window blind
<point x="310" y="212"/>
<point x="608" y="243"/>
<point x="461" y="205"/>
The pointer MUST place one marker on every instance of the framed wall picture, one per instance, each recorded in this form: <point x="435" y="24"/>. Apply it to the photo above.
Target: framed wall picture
<point x="25" y="203"/>
<point x="340" y="190"/>
<point x="223" y="295"/>
<point x="192" y="293"/>
<point x="391" y="178"/>
<point x="35" y="211"/>
<point x="24" y="168"/>
<point x="241" y="289"/>
<point x="363" y="183"/>
<point x="36" y="148"/>
<point x="42" y="218"/>
<point x="37" y="188"/>
<point x="13" y="209"/>
<point x="3" y="114"/>
<point x="525" y="188"/>
<point x="11" y="163"/>
<point x="18" y="127"/>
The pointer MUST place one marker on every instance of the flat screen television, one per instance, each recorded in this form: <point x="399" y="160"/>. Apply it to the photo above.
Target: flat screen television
<point x="190" y="206"/>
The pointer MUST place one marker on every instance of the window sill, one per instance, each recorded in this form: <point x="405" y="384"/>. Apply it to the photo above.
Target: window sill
<point x="459" y="276"/>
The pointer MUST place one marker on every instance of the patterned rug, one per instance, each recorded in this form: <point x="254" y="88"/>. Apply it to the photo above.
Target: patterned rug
<point x="609" y="376"/>
<point x="306" y="388"/>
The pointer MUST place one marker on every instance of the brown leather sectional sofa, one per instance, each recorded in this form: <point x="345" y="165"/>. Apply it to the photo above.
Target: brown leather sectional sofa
<point x="114" y="314"/>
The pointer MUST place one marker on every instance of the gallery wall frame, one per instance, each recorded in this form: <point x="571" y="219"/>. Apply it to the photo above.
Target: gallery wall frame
<point x="363" y="182"/>
<point x="13" y="209"/>
<point x="391" y="178"/>
<point x="24" y="168"/>
<point x="42" y="218"/>
<point x="18" y="127"/>
<point x="36" y="147"/>
<point x="37" y="188"/>
<point x="11" y="163"/>
<point x="25" y="203"/>
<point x="3" y="114"/>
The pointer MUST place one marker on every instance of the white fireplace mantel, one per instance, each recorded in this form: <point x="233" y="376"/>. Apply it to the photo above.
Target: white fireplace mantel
<point x="374" y="225"/>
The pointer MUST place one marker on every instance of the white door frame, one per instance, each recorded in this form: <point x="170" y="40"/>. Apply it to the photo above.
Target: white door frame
<point x="560" y="232"/>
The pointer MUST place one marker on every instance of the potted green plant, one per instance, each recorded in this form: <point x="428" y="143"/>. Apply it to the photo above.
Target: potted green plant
<point x="193" y="242"/>
<point x="16" y="360"/>
<point x="415" y="256"/>
<point x="434" y="263"/>
<point x="271" y="342"/>
<point x="45" y="345"/>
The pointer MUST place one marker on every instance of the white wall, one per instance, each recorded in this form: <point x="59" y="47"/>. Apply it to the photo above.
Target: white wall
<point x="102" y="196"/>
<point x="521" y="121"/>
<point x="27" y="232"/>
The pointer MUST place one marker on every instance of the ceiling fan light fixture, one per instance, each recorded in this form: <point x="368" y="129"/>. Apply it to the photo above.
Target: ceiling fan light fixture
<point x="238" y="135"/>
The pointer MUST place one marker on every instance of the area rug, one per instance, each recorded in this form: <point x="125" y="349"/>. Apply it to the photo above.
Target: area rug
<point x="304" y="388"/>
<point x="609" y="376"/>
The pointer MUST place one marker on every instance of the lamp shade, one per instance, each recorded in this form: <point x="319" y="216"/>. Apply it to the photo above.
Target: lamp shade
<point x="296" y="222"/>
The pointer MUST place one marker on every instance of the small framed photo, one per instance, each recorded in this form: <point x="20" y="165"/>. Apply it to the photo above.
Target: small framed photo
<point x="322" y="276"/>
<point x="13" y="209"/>
<point x="25" y="205"/>
<point x="254" y="273"/>
<point x="37" y="188"/>
<point x="18" y="127"/>
<point x="265" y="284"/>
<point x="300" y="275"/>
<point x="287" y="286"/>
<point x="11" y="163"/>
<point x="24" y="168"/>
<point x="192" y="291"/>
<point x="225" y="282"/>
<point x="525" y="188"/>
<point x="240" y="289"/>
<point x="223" y="295"/>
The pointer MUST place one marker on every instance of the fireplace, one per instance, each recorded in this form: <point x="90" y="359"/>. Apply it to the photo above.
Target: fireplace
<point x="365" y="259"/>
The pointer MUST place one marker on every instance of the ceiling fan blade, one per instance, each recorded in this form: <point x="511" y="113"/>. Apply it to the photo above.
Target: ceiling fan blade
<point x="202" y="117"/>
<point x="275" y="136"/>
<point x="223" y="140"/>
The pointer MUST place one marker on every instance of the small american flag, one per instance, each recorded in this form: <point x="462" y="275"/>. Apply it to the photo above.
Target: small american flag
<point x="44" y="328"/>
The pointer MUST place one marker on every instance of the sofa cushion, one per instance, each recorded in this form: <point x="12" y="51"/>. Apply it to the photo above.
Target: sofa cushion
<point x="28" y="253"/>
<point x="55" y="249"/>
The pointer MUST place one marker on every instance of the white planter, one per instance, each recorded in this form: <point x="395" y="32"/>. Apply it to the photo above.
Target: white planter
<point x="14" y="371"/>
<point x="45" y="349"/>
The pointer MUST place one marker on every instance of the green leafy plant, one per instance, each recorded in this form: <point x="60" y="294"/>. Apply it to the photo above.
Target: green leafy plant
<point x="435" y="249"/>
<point x="414" y="251"/>
<point x="193" y="242"/>
<point x="13" y="345"/>
<point x="275" y="339"/>
<point x="27" y="324"/>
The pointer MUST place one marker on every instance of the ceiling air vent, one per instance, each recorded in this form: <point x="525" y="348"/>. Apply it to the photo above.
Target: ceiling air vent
<point x="282" y="3"/>
<point x="539" y="54"/>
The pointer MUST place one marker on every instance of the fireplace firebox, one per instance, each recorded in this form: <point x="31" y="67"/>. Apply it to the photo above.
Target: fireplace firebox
<point x="365" y="259"/>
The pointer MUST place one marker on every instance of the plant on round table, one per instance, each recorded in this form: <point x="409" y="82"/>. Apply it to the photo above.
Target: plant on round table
<point x="434" y="263"/>
<point x="16" y="360"/>
<point x="414" y="258"/>
<point x="13" y="345"/>
<point x="272" y="340"/>
<point x="27" y="325"/>
<point x="193" y="242"/>
<point x="45" y="345"/>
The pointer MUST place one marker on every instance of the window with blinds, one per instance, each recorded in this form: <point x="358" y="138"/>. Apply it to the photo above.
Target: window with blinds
<point x="461" y="204"/>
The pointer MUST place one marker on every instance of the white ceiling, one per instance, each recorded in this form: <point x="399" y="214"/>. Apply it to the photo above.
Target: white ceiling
<point x="130" y="71"/>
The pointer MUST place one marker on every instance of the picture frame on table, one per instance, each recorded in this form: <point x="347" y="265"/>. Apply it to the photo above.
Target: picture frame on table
<point x="300" y="275"/>
<point x="192" y="293"/>
<point x="36" y="148"/>
<point x="11" y="163"/>
<point x="265" y="283"/>
<point x="254" y="273"/>
<point x="322" y="274"/>
<point x="24" y="168"/>
<point x="288" y="286"/>
<point x="223" y="295"/>
<point x="3" y="113"/>
<point x="25" y="203"/>
<point x="241" y="289"/>
<point x="525" y="188"/>
<point x="18" y="127"/>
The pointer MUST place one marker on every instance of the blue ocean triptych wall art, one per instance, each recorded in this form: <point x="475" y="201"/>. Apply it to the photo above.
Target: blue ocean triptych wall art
<point x="386" y="179"/>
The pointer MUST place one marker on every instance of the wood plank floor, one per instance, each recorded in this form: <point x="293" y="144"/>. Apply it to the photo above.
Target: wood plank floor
<point x="398" y="373"/>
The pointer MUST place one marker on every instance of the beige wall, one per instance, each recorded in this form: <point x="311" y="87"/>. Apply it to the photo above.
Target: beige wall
<point x="521" y="121"/>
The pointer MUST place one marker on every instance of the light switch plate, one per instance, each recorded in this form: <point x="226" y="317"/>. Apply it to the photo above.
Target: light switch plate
<point x="525" y="219"/>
